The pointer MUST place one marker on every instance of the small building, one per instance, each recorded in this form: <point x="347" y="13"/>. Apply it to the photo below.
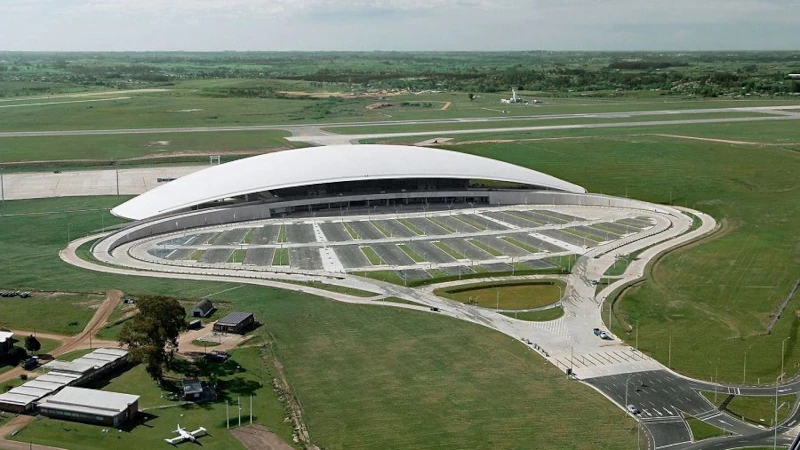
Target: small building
<point x="6" y="342"/>
<point x="203" y="308"/>
<point x="192" y="389"/>
<point x="91" y="406"/>
<point x="235" y="322"/>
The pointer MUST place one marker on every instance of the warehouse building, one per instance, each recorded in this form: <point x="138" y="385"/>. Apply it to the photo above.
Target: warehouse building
<point x="99" y="363"/>
<point x="235" y="322"/>
<point x="91" y="406"/>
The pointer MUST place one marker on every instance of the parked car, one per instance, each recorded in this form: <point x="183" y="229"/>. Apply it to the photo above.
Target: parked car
<point x="632" y="409"/>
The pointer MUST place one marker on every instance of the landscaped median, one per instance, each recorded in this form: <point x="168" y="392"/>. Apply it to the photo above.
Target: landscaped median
<point x="506" y="295"/>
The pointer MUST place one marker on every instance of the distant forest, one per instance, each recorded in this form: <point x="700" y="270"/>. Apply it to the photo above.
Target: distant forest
<point x="706" y="74"/>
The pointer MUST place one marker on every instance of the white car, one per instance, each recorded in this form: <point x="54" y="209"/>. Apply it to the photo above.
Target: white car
<point x="632" y="409"/>
<point x="605" y="335"/>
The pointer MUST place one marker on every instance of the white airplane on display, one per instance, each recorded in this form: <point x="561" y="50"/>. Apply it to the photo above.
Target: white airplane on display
<point x="184" y="435"/>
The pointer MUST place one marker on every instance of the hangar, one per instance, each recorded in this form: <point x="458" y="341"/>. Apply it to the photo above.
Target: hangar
<point x="334" y="176"/>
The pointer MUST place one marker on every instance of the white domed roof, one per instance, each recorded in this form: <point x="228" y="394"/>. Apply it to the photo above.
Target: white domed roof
<point x="329" y="164"/>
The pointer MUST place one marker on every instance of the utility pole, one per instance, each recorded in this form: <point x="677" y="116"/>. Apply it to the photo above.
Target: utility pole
<point x="251" y="410"/>
<point x="239" y="406"/>
<point x="116" y="171"/>
<point x="2" y="191"/>
<point x="227" y="416"/>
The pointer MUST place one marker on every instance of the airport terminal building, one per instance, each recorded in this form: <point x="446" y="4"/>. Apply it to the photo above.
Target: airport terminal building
<point x="341" y="177"/>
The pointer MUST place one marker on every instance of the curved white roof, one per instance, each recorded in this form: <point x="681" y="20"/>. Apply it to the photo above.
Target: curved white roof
<point x="329" y="164"/>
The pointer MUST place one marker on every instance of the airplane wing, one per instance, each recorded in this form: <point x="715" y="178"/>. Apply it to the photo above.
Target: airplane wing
<point x="198" y="431"/>
<point x="175" y="440"/>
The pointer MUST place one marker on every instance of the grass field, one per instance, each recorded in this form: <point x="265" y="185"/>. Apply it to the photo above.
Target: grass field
<point x="54" y="313"/>
<point x="541" y="119"/>
<point x="714" y="299"/>
<point x="757" y="410"/>
<point x="506" y="295"/>
<point x="104" y="149"/>
<point x="410" y="361"/>
<point x="537" y="316"/>
<point x="702" y="430"/>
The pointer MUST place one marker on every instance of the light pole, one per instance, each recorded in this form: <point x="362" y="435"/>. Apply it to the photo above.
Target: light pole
<point x="626" y="390"/>
<point x="744" y="368"/>
<point x="775" y="439"/>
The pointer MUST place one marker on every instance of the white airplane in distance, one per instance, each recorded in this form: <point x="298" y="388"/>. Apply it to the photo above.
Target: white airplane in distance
<point x="184" y="435"/>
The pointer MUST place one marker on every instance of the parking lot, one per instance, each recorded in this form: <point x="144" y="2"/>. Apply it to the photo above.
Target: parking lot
<point x="415" y="245"/>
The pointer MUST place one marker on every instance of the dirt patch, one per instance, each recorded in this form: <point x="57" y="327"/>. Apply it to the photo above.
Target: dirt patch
<point x="256" y="437"/>
<point x="446" y="105"/>
<point x="379" y="105"/>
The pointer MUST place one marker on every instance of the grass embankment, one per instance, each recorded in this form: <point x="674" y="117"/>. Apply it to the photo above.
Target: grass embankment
<point x="537" y="316"/>
<point x="757" y="410"/>
<point x="333" y="288"/>
<point x="522" y="294"/>
<point x="715" y="299"/>
<point x="701" y="430"/>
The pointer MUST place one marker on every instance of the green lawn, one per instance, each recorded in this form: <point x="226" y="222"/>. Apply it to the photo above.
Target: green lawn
<point x="333" y="288"/>
<point x="540" y="120"/>
<point x="381" y="354"/>
<point x="372" y="256"/>
<point x="54" y="313"/>
<point x="86" y="150"/>
<point x="237" y="256"/>
<point x="488" y="249"/>
<point x="281" y="257"/>
<point x="537" y="316"/>
<point x="283" y="235"/>
<point x="702" y="430"/>
<point x="411" y="226"/>
<point x="446" y="227"/>
<point x="509" y="294"/>
<point x="450" y="251"/>
<point x="383" y="230"/>
<point x="714" y="299"/>
<point x="758" y="410"/>
<point x="351" y="231"/>
<point x="411" y="253"/>
<point x="520" y="244"/>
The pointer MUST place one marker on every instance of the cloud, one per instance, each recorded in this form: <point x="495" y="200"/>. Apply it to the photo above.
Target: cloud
<point x="399" y="24"/>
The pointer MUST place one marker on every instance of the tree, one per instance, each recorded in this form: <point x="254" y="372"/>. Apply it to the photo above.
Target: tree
<point x="152" y="335"/>
<point x="32" y="344"/>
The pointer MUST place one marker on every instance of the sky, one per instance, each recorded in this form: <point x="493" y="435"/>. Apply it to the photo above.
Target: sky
<point x="421" y="25"/>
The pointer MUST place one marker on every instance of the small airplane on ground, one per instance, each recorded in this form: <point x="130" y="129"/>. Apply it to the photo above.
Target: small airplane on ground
<point x="184" y="435"/>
